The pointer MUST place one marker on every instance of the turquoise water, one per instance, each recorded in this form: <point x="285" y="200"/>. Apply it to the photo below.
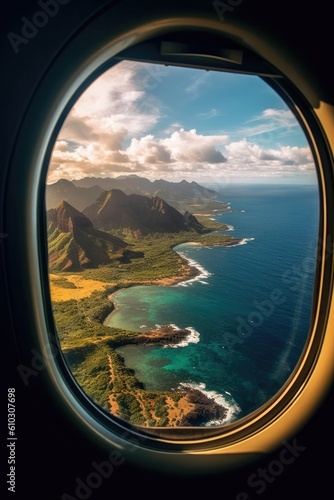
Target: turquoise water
<point x="248" y="311"/>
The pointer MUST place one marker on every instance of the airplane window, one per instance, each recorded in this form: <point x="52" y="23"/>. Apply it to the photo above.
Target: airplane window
<point x="182" y="218"/>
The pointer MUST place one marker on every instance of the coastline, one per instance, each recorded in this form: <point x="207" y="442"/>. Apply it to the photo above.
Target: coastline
<point x="191" y="271"/>
<point x="165" y="335"/>
<point x="196" y="406"/>
<point x="160" y="282"/>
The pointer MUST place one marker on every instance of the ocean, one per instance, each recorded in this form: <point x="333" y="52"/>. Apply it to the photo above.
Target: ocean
<point x="248" y="311"/>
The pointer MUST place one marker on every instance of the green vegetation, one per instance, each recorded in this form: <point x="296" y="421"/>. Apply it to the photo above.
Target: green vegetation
<point x="92" y="373"/>
<point x="217" y="239"/>
<point x="90" y="347"/>
<point x="79" y="323"/>
<point x="58" y="240"/>
<point x="201" y="206"/>
<point x="158" y="259"/>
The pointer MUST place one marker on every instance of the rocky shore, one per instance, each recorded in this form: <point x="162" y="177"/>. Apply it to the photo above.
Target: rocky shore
<point x="164" y="335"/>
<point x="200" y="409"/>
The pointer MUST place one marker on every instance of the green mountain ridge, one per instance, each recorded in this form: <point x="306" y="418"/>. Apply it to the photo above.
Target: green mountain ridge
<point x="74" y="243"/>
<point x="82" y="193"/>
<point x="133" y="184"/>
<point x="79" y="240"/>
<point x="115" y="210"/>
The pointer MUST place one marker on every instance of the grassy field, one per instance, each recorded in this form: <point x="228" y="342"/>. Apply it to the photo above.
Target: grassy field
<point x="74" y="286"/>
<point x="81" y="302"/>
<point x="158" y="262"/>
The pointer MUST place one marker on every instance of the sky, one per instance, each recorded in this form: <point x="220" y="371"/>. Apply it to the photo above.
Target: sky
<point x="172" y="123"/>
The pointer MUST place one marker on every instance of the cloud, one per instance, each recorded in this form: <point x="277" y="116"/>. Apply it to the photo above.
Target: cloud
<point x="250" y="159"/>
<point x="194" y="88"/>
<point x="182" y="147"/>
<point x="301" y="158"/>
<point x="114" y="107"/>
<point x="148" y="150"/>
<point x="112" y="130"/>
<point x="85" y="132"/>
<point x="284" y="117"/>
<point x="61" y="147"/>
<point x="184" y="154"/>
<point x="189" y="146"/>
<point x="269" y="121"/>
<point x="210" y="114"/>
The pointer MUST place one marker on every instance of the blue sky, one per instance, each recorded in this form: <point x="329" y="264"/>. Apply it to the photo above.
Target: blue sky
<point x="180" y="123"/>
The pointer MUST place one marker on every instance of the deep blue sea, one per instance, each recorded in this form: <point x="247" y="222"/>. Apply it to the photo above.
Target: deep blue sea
<point x="249" y="310"/>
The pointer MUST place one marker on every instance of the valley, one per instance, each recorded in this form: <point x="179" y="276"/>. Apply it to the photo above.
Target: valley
<point x="128" y="240"/>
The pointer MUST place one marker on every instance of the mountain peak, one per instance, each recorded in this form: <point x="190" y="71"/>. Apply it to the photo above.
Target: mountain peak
<point x="74" y="243"/>
<point x="65" y="217"/>
<point x="116" y="210"/>
<point x="63" y="182"/>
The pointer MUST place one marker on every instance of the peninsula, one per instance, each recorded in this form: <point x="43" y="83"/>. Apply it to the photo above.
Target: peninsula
<point x="118" y="242"/>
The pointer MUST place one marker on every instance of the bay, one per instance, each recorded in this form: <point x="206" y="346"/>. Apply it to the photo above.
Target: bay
<point x="249" y="310"/>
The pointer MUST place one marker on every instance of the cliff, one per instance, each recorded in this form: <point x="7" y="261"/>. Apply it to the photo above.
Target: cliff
<point x="116" y="210"/>
<point x="74" y="243"/>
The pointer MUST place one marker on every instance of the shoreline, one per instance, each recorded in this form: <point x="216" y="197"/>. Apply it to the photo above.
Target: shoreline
<point x="192" y="270"/>
<point x="196" y="406"/>
<point x="165" y="282"/>
<point x="165" y="335"/>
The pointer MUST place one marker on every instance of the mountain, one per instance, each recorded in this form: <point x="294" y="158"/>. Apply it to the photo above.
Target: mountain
<point x="182" y="195"/>
<point x="115" y="209"/>
<point x="172" y="192"/>
<point x="134" y="184"/>
<point x="78" y="197"/>
<point x="74" y="243"/>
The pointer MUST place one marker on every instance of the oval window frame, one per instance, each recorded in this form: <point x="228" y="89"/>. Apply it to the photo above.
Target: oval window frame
<point x="282" y="415"/>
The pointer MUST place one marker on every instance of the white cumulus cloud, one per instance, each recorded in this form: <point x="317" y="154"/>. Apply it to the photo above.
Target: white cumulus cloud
<point x="113" y="129"/>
